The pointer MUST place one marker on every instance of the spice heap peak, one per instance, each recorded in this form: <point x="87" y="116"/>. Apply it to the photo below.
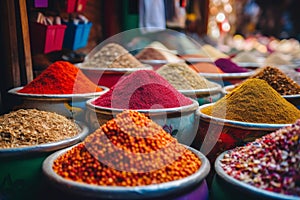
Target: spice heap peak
<point x="143" y="89"/>
<point x="270" y="163"/>
<point x="157" y="51"/>
<point x="182" y="77"/>
<point x="130" y="150"/>
<point x="112" y="55"/>
<point x="61" y="78"/>
<point x="278" y="80"/>
<point x="254" y="101"/>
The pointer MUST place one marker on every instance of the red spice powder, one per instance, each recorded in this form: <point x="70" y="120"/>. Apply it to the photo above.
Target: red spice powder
<point x="143" y="89"/>
<point x="61" y="78"/>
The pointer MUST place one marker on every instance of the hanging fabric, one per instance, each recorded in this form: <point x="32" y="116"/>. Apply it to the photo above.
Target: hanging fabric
<point x="152" y="15"/>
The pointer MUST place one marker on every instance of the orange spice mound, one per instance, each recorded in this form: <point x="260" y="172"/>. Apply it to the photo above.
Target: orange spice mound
<point x="204" y="67"/>
<point x="61" y="78"/>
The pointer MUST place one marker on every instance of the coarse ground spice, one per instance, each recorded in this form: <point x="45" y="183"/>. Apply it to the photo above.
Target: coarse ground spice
<point x="129" y="150"/>
<point x="61" y="78"/>
<point x="203" y="67"/>
<point x="28" y="127"/>
<point x="112" y="55"/>
<point x="143" y="89"/>
<point x="278" y="80"/>
<point x="270" y="163"/>
<point x="227" y="66"/>
<point x="254" y="101"/>
<point x="182" y="77"/>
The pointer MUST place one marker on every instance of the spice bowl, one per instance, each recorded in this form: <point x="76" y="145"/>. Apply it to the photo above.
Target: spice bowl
<point x="180" y="122"/>
<point x="69" y="105"/>
<point x="21" y="168"/>
<point x="206" y="95"/>
<point x="108" y="77"/>
<point x="189" y="188"/>
<point x="216" y="135"/>
<point x="225" y="186"/>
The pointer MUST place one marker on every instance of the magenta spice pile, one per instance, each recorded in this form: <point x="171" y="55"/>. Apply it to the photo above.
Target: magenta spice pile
<point x="271" y="163"/>
<point x="227" y="66"/>
<point x="143" y="89"/>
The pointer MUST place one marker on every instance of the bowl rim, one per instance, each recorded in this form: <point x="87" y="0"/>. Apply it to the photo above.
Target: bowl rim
<point x="217" y="88"/>
<point x="228" y="75"/>
<point x="238" y="124"/>
<point x="182" y="109"/>
<point x="118" y="192"/>
<point x="14" y="91"/>
<point x="293" y="96"/>
<point x="115" y="70"/>
<point x="245" y="186"/>
<point x="46" y="147"/>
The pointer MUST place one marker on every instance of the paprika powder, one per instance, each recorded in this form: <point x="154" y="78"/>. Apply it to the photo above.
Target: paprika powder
<point x="61" y="78"/>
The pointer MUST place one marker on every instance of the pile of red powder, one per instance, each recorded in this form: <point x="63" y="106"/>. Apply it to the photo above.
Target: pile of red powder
<point x="61" y="78"/>
<point x="143" y="89"/>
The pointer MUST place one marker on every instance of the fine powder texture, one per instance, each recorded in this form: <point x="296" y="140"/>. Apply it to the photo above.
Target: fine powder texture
<point x="129" y="150"/>
<point x="227" y="66"/>
<point x="61" y="78"/>
<point x="270" y="163"/>
<point x="254" y="101"/>
<point x="33" y="127"/>
<point x="203" y="67"/>
<point x="143" y="89"/>
<point x="112" y="55"/>
<point x="278" y="81"/>
<point x="182" y="77"/>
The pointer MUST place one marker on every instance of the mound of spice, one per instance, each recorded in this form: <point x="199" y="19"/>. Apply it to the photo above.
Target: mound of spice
<point x="270" y="163"/>
<point x="182" y="77"/>
<point x="276" y="59"/>
<point x="213" y="52"/>
<point x="245" y="56"/>
<point x="157" y="51"/>
<point x="203" y="67"/>
<point x="254" y="101"/>
<point x="129" y="150"/>
<point x="61" y="78"/>
<point x="143" y="89"/>
<point x="112" y="55"/>
<point x="278" y="80"/>
<point x="28" y="127"/>
<point x="227" y="66"/>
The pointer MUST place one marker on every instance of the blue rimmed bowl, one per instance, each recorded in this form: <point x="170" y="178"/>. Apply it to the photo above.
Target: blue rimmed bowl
<point x="180" y="122"/>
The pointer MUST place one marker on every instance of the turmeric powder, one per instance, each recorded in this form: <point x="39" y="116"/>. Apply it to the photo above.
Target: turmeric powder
<point x="254" y="101"/>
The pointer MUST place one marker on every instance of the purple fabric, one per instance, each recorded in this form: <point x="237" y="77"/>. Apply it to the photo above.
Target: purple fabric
<point x="227" y="66"/>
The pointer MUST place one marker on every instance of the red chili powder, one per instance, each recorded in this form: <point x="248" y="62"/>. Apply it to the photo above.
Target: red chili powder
<point x="143" y="89"/>
<point x="61" y="78"/>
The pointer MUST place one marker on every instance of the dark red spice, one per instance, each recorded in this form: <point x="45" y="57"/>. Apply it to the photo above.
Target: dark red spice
<point x="61" y="78"/>
<point x="227" y="66"/>
<point x="143" y="89"/>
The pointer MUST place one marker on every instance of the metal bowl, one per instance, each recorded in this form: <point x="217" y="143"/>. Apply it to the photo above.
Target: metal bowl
<point x="109" y="76"/>
<point x="228" y="78"/>
<point x="179" y="122"/>
<point x="216" y="135"/>
<point x="69" y="105"/>
<point x="85" y="190"/>
<point x="206" y="95"/>
<point x="21" y="168"/>
<point x="227" y="187"/>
